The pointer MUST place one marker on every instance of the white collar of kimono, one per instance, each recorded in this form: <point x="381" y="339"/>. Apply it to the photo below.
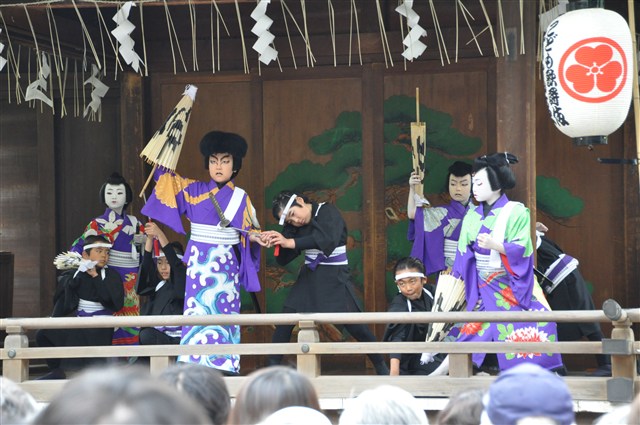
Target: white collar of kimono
<point x="286" y="209"/>
<point x="97" y="245"/>
<point x="409" y="274"/>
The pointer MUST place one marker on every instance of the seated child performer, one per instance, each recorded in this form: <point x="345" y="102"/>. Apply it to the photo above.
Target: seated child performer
<point x="126" y="232"/>
<point x="495" y="260"/>
<point x="435" y="230"/>
<point x="162" y="279"/>
<point x="413" y="296"/>
<point x="323" y="284"/>
<point x="223" y="253"/>
<point x="93" y="289"/>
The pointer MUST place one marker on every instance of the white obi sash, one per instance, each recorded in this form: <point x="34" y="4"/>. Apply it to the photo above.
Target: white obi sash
<point x="450" y="250"/>
<point x="124" y="258"/>
<point x="214" y="235"/>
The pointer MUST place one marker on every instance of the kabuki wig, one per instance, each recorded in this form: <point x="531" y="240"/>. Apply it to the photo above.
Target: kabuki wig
<point x="116" y="179"/>
<point x="499" y="171"/>
<point x="222" y="142"/>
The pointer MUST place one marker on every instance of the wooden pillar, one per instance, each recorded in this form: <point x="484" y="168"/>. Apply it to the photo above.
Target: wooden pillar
<point x="374" y="230"/>
<point x="515" y="94"/>
<point x="46" y="210"/>
<point x="132" y="136"/>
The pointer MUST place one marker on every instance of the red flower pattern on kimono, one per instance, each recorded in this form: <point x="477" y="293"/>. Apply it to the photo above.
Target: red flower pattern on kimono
<point x="472" y="328"/>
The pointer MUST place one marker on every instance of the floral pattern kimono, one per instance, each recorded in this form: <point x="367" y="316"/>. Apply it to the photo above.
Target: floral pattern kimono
<point x="123" y="258"/>
<point x="220" y="260"/>
<point x="505" y="285"/>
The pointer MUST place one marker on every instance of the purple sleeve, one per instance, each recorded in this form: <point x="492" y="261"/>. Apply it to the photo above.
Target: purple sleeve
<point x="428" y="246"/>
<point x="520" y="269"/>
<point x="166" y="203"/>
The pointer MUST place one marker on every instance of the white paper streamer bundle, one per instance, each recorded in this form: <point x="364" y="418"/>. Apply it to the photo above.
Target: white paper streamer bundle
<point x="412" y="41"/>
<point x="261" y="29"/>
<point x="98" y="92"/>
<point x="3" y="61"/>
<point x="67" y="260"/>
<point x="122" y="34"/>
<point x="34" y="89"/>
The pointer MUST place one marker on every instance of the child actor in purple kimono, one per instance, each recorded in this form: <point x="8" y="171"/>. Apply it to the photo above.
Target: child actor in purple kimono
<point x="125" y="231"/>
<point x="495" y="260"/>
<point x="435" y="230"/>
<point x="223" y="252"/>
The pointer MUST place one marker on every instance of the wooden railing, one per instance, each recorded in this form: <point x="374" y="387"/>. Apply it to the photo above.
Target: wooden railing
<point x="587" y="391"/>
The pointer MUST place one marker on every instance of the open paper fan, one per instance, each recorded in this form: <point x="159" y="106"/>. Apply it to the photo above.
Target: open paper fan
<point x="450" y="296"/>
<point x="67" y="260"/>
<point x="164" y="147"/>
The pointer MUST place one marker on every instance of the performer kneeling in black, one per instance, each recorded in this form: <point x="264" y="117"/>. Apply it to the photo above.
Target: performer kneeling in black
<point x="566" y="289"/>
<point x="91" y="289"/>
<point x="413" y="296"/>
<point x="163" y="280"/>
<point x="323" y="284"/>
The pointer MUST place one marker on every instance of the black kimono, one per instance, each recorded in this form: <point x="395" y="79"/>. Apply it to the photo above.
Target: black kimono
<point x="323" y="284"/>
<point x="410" y="332"/>
<point x="164" y="298"/>
<point x="569" y="293"/>
<point x="87" y="296"/>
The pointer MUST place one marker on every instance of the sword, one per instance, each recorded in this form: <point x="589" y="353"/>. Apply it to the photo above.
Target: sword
<point x="224" y="222"/>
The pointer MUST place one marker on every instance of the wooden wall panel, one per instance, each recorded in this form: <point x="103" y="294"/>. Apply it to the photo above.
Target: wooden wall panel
<point x="86" y="154"/>
<point x="19" y="206"/>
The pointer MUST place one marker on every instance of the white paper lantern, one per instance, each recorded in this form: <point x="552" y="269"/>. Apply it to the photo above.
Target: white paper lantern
<point x="588" y="73"/>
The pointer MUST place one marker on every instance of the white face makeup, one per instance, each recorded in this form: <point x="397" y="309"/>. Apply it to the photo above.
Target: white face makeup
<point x="460" y="188"/>
<point x="482" y="188"/>
<point x="115" y="196"/>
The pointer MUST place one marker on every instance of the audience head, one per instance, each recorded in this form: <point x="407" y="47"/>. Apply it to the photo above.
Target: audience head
<point x="270" y="389"/>
<point x="296" y="415"/>
<point x="509" y="399"/>
<point x="463" y="408"/>
<point x="203" y="384"/>
<point x="386" y="404"/>
<point x="16" y="405"/>
<point x="120" y="396"/>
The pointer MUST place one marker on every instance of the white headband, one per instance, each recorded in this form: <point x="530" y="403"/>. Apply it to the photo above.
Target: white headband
<point x="286" y="209"/>
<point x="97" y="245"/>
<point x="409" y="274"/>
<point x="163" y="255"/>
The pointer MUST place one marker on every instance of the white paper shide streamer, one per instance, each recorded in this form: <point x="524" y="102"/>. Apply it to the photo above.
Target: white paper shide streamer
<point x="37" y="89"/>
<point x="122" y="34"/>
<point x="414" y="47"/>
<point x="3" y="61"/>
<point x="261" y="29"/>
<point x="97" y="93"/>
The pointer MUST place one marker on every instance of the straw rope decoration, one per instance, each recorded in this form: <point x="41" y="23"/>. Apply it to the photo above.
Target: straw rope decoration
<point x="439" y="36"/>
<point x="245" y="62"/>
<point x="286" y="26"/>
<point x="490" y="27"/>
<point x="169" y="28"/>
<point x="103" y="27"/>
<point x="353" y="16"/>
<point x="86" y="33"/>
<point x="60" y="67"/>
<point x="306" y="41"/>
<point x="144" y="42"/>
<point x="402" y="36"/>
<point x="383" y="35"/>
<point x="306" y="33"/>
<point x="332" y="30"/>
<point x="465" y="12"/>
<point x="194" y="49"/>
